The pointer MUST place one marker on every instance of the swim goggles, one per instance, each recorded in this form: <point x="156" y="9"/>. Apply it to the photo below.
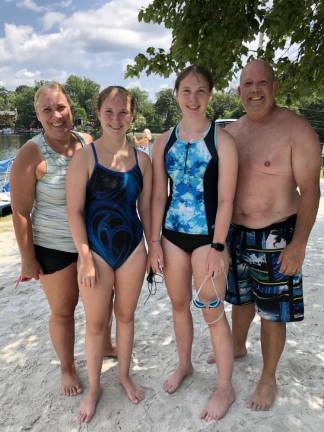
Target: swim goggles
<point x="214" y="304"/>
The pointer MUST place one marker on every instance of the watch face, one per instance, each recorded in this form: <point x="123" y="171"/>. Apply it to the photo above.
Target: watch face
<point x="218" y="246"/>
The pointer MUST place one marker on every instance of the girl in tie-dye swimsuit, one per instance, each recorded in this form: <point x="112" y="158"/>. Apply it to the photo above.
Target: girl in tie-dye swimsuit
<point x="194" y="179"/>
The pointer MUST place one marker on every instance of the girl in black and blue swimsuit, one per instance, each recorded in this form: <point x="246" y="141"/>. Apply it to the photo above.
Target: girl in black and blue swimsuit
<point x="194" y="178"/>
<point x="108" y="192"/>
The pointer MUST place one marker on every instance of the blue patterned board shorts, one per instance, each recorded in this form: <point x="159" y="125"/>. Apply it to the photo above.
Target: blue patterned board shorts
<point x="254" y="275"/>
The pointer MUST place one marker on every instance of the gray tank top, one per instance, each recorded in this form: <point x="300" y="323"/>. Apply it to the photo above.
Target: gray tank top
<point x="49" y="214"/>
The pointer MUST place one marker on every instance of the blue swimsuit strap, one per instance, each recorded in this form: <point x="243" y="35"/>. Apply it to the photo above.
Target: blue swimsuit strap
<point x="94" y="153"/>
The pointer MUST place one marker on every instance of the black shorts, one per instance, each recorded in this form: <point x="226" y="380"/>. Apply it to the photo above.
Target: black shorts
<point x="52" y="260"/>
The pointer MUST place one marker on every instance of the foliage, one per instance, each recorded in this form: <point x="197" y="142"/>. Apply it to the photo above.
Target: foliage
<point x="166" y="109"/>
<point x="217" y="35"/>
<point x="313" y="110"/>
<point x="226" y="105"/>
<point x="24" y="102"/>
<point x="83" y="93"/>
<point x="6" y="99"/>
<point x="145" y="110"/>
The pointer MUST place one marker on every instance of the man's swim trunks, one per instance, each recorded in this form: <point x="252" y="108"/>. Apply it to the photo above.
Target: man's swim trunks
<point x="255" y="277"/>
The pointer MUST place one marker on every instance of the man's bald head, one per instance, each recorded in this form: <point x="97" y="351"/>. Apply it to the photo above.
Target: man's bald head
<point x="258" y="64"/>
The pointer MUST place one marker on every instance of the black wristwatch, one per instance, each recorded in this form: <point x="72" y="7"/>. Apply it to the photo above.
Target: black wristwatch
<point x="218" y="246"/>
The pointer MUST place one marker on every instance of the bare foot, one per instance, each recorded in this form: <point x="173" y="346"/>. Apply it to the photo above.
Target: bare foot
<point x="263" y="396"/>
<point x="174" y="380"/>
<point x="70" y="384"/>
<point x="238" y="354"/>
<point x="134" y="392"/>
<point x="218" y="404"/>
<point x="110" y="351"/>
<point x="88" y="405"/>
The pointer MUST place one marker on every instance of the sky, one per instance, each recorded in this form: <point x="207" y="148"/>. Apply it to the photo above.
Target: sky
<point x="52" y="39"/>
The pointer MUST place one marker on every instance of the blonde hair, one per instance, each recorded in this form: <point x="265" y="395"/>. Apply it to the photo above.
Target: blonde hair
<point x="148" y="133"/>
<point x="52" y="85"/>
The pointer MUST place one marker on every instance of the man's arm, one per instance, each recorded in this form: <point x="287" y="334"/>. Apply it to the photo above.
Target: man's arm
<point x="306" y="163"/>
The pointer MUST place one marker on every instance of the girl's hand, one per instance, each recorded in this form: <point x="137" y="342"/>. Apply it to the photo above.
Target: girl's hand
<point x="87" y="273"/>
<point x="155" y="257"/>
<point x="217" y="263"/>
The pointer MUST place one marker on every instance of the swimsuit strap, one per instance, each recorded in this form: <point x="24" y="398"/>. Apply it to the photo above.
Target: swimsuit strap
<point x="94" y="153"/>
<point x="79" y="137"/>
<point x="136" y="156"/>
<point x="211" y="141"/>
<point x="216" y="136"/>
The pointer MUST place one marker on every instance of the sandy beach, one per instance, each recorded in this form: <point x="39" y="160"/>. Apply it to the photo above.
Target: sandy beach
<point x="29" y="371"/>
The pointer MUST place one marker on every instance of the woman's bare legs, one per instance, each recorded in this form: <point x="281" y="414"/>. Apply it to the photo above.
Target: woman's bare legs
<point x="221" y="337"/>
<point x="61" y="289"/>
<point x="128" y="283"/>
<point x="96" y="303"/>
<point x="178" y="274"/>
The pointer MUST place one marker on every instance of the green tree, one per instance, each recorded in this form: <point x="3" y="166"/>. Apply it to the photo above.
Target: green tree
<point x="6" y="99"/>
<point x="166" y="109"/>
<point x="83" y="93"/>
<point x="145" y="109"/>
<point x="226" y="105"/>
<point x="216" y="34"/>
<point x="313" y="110"/>
<point x="24" y="102"/>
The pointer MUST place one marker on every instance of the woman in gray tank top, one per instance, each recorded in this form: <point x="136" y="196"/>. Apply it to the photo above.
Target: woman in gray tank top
<point x="40" y="221"/>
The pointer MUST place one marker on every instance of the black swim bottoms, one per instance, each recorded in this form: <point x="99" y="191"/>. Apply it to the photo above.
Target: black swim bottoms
<point x="52" y="260"/>
<point x="187" y="242"/>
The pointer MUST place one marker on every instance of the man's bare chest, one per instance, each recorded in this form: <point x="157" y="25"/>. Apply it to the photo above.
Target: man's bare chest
<point x="269" y="154"/>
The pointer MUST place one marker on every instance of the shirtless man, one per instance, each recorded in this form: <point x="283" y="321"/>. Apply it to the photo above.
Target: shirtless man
<point x="278" y="152"/>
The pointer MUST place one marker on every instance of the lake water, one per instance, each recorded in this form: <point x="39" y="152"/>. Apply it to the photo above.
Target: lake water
<point x="10" y="144"/>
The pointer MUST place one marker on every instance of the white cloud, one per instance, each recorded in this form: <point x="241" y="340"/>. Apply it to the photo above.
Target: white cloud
<point x="96" y="42"/>
<point x="51" y="18"/>
<point x="85" y="33"/>
<point x="31" y="5"/>
<point x="135" y="83"/>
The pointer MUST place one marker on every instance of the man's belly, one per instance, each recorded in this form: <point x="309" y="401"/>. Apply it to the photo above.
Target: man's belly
<point x="262" y="200"/>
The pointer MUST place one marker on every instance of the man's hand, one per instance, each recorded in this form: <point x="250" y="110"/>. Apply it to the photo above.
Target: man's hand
<point x="291" y="259"/>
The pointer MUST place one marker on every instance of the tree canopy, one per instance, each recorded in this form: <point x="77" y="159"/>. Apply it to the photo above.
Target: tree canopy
<point x="217" y="33"/>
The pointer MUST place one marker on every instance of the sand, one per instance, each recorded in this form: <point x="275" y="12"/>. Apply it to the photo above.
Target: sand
<point x="29" y="371"/>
